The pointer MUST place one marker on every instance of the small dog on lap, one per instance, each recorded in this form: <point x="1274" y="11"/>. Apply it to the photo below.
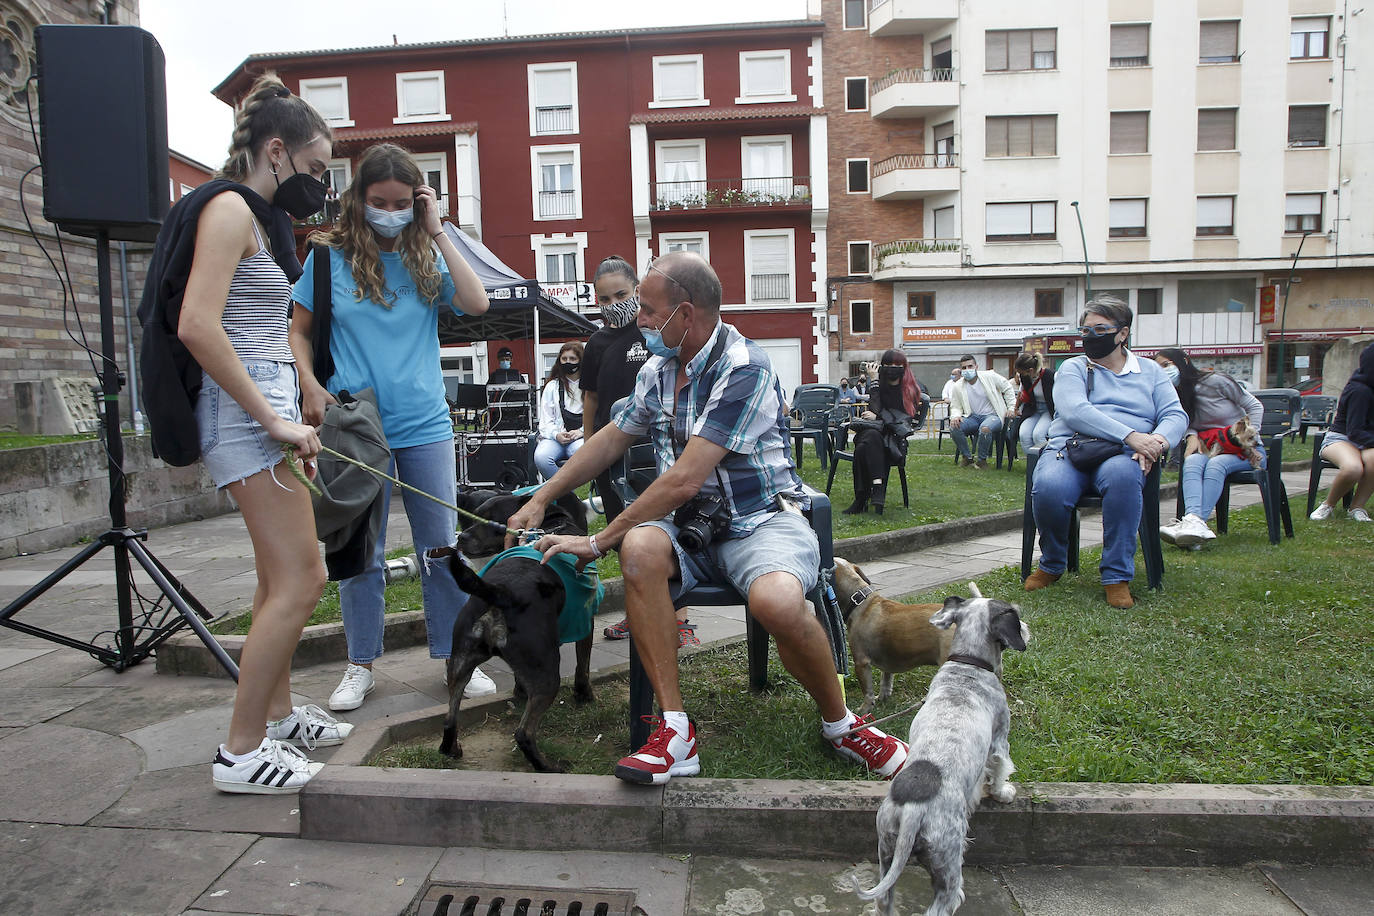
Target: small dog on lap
<point x="1240" y="438"/>
<point x="958" y="754"/>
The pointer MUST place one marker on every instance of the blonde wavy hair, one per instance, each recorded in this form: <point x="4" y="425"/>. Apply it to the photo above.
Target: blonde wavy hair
<point x="354" y="237"/>
<point x="269" y="110"/>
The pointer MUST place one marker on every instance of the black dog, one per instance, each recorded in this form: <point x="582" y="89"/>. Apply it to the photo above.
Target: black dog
<point x="512" y="612"/>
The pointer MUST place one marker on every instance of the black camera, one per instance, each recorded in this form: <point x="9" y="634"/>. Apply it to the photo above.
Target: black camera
<point x="701" y="520"/>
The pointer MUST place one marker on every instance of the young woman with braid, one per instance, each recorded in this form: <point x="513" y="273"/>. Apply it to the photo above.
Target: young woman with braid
<point x="226" y="253"/>
<point x="392" y="267"/>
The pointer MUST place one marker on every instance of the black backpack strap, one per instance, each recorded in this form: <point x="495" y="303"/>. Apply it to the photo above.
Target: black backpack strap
<point x="323" y="314"/>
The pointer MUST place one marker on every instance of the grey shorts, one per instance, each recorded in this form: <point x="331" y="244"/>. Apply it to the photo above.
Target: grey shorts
<point x="233" y="445"/>
<point x="1333" y="436"/>
<point x="783" y="543"/>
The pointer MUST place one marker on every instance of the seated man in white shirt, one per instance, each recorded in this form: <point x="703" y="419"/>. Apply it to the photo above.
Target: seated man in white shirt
<point x="978" y="403"/>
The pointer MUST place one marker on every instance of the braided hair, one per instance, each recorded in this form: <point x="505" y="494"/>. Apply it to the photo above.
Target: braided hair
<point x="269" y="110"/>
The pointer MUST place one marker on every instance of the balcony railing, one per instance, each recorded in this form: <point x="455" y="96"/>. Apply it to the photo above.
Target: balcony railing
<point x="553" y="119"/>
<point x="716" y="193"/>
<point x="892" y="250"/>
<point x="914" y="75"/>
<point x="916" y="161"/>
<point x="555" y="204"/>
<point x="770" y="287"/>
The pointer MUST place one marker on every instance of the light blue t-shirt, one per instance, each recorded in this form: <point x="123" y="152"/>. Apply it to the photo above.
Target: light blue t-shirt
<point x="393" y="351"/>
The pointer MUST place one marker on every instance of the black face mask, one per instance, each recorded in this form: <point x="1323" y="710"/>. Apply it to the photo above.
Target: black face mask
<point x="891" y="375"/>
<point x="302" y="195"/>
<point x="571" y="368"/>
<point x="1098" y="347"/>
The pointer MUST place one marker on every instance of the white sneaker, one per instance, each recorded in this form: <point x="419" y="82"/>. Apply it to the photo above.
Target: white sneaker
<point x="1169" y="533"/>
<point x="1192" y="530"/>
<point x="479" y="685"/>
<point x="273" y="769"/>
<point x="357" y="683"/>
<point x="1359" y="515"/>
<point x="1321" y="513"/>
<point x="309" y="727"/>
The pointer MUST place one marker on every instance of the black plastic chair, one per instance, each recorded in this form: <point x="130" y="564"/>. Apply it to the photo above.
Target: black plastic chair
<point x="1000" y="444"/>
<point x="1148" y="532"/>
<point x="1282" y="407"/>
<point x="720" y="593"/>
<point x="1314" y="480"/>
<point x="840" y="453"/>
<point x="816" y="407"/>
<point x="1317" y="411"/>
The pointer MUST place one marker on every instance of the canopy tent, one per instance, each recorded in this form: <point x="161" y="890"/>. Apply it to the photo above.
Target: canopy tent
<point x="518" y="307"/>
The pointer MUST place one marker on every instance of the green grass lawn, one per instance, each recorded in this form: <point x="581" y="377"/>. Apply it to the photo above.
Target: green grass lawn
<point x="9" y="440"/>
<point x="1255" y="664"/>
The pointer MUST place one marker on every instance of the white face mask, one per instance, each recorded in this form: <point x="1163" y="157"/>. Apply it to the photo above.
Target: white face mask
<point x="388" y="223"/>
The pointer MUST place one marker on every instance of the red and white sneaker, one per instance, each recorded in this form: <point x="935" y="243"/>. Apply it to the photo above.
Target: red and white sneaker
<point x="880" y="752"/>
<point x="667" y="754"/>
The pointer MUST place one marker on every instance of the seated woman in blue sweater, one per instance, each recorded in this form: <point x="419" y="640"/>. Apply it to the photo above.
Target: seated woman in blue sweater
<point x="1110" y="394"/>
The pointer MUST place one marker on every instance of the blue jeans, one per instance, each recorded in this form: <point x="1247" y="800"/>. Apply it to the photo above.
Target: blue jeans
<point x="430" y="468"/>
<point x="987" y="427"/>
<point x="548" y="452"/>
<point x="1056" y="490"/>
<point x="1035" y="430"/>
<point x="1203" y="478"/>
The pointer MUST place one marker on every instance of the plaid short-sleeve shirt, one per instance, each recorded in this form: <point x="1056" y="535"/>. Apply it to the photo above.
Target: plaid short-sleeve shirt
<point x="735" y="401"/>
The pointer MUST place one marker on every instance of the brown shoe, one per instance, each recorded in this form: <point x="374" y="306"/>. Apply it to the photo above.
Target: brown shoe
<point x="1041" y="579"/>
<point x="966" y="462"/>
<point x="981" y="465"/>
<point x="1119" y="595"/>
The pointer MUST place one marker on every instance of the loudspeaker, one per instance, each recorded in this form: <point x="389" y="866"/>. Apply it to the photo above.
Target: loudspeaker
<point x="501" y="461"/>
<point x="102" y="108"/>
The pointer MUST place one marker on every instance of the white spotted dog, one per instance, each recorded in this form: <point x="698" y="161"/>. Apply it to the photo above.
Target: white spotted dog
<point x="958" y="754"/>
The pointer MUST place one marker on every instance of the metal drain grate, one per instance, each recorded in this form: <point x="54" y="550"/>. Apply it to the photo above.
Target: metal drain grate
<point x="477" y="900"/>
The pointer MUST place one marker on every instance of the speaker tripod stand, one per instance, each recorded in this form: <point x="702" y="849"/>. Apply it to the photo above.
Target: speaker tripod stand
<point x="135" y="639"/>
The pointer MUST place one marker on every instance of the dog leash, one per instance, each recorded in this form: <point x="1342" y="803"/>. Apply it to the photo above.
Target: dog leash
<point x="858" y="728"/>
<point x="524" y="534"/>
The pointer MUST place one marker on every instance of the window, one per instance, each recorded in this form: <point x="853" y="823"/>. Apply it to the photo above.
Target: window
<point x="1130" y="132"/>
<point x="1020" y="222"/>
<point x="943" y="135"/>
<point x="765" y="76"/>
<point x="420" y="97"/>
<point x="1307" y="125"/>
<point x="1212" y="296"/>
<point x="944" y="224"/>
<point x="855" y="14"/>
<point x="942" y="58"/>
<point x="1126" y="218"/>
<point x="1023" y="135"/>
<point x="1149" y="301"/>
<point x="861" y="316"/>
<point x="767" y="166"/>
<point x="328" y="96"/>
<point x="1130" y="46"/>
<point x="553" y="98"/>
<point x="1216" y="128"/>
<point x="920" y="306"/>
<point x="560" y="264"/>
<point x="1219" y="42"/>
<point x="695" y="242"/>
<point x="856" y="93"/>
<point x="768" y="260"/>
<point x="1049" y="303"/>
<point x="338" y="174"/>
<point x="434" y="171"/>
<point x="1303" y="213"/>
<point x="678" y="81"/>
<point x="860" y="258"/>
<point x="1309" y="38"/>
<point x="1020" y="49"/>
<point x="1216" y="215"/>
<point x="681" y="170"/>
<point x="856" y="176"/>
<point x="556" y="174"/>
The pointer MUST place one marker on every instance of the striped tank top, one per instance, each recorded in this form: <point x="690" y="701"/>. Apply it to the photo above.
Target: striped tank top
<point x="255" y="314"/>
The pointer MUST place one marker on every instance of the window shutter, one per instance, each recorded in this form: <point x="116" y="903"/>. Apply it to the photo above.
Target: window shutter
<point x="1216" y="128"/>
<point x="1307" y="125"/>
<point x="1008" y="219"/>
<point x="677" y="80"/>
<point x="765" y="76"/>
<point x="938" y="48"/>
<point x="1126" y="214"/>
<point x="421" y="96"/>
<point x="1303" y="205"/>
<point x="944" y="223"/>
<point x="552" y="88"/>
<point x="1214" y="212"/>
<point x="769" y="254"/>
<point x="1045" y="128"/>
<point x="1130" y="132"/>
<point x="997" y="136"/>
<point x="995" y="50"/>
<point x="1218" y="41"/>
<point x="1018" y="136"/>
<point x="1043" y="48"/>
<point x="1130" y="42"/>
<point x="1042" y="218"/>
<point x="1019" y="50"/>
<point x="328" y="101"/>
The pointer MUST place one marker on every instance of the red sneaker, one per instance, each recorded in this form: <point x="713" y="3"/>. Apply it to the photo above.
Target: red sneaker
<point x="667" y="754"/>
<point x="618" y="630"/>
<point x="687" y="634"/>
<point x="881" y="753"/>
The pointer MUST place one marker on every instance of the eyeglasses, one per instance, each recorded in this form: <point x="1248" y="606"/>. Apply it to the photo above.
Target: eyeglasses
<point x="1098" y="330"/>
<point x="651" y="265"/>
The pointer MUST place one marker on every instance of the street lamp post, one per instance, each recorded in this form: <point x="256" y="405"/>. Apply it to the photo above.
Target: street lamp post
<point x="1087" y="271"/>
<point x="1283" y="319"/>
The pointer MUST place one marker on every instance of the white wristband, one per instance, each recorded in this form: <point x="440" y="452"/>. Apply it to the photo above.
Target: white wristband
<point x="595" y="550"/>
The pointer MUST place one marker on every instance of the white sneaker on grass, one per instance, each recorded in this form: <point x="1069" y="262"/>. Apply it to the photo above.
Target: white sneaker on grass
<point x="273" y="768"/>
<point x="1321" y="513"/>
<point x="357" y="683"/>
<point x="309" y="727"/>
<point x="479" y="685"/>
<point x="1359" y="515"/>
<point x="1192" y="530"/>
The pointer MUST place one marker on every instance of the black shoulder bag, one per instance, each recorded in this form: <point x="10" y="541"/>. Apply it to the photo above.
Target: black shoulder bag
<point x="324" y="309"/>
<point x="1087" y="452"/>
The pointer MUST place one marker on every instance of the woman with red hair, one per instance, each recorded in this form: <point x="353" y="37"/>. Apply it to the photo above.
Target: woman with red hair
<point x="881" y="431"/>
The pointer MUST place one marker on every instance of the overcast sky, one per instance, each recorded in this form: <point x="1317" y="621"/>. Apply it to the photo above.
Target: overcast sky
<point x="203" y="45"/>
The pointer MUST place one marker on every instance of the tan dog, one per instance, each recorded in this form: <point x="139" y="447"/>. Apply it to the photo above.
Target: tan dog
<point x="895" y="637"/>
<point x="1240" y="438"/>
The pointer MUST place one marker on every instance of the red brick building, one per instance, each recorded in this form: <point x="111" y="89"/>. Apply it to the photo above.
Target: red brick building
<point x="559" y="150"/>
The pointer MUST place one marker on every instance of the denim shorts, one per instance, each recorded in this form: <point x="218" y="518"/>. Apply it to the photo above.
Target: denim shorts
<point x="1333" y="436"/>
<point x="783" y="543"/>
<point x="233" y="445"/>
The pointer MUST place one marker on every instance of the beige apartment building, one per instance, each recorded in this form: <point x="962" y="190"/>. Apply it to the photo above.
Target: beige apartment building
<point x="1200" y="141"/>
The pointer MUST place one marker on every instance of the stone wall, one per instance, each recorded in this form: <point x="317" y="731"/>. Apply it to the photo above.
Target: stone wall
<point x="55" y="495"/>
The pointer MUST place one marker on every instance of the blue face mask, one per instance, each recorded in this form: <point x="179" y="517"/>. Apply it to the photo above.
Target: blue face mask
<point x="388" y="223"/>
<point x="969" y="374"/>
<point x="653" y="339"/>
<point x="504" y="364"/>
<point x="1172" y="372"/>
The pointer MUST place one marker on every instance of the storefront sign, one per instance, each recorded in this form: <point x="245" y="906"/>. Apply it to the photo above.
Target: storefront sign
<point x="1268" y="296"/>
<point x="569" y="294"/>
<point x="1219" y="350"/>
<point x="1014" y="332"/>
<point x="1317" y="333"/>
<point x="927" y="335"/>
<point x="1063" y="344"/>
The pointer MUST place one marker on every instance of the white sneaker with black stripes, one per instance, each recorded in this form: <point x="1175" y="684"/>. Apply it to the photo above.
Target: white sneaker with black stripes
<point x="309" y="727"/>
<point x="273" y="768"/>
